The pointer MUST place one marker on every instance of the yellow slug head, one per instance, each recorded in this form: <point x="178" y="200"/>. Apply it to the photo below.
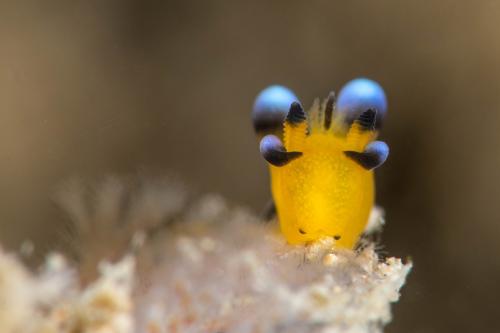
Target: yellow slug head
<point x="322" y="172"/>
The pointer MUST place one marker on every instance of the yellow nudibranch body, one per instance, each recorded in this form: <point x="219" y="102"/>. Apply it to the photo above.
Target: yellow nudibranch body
<point x="322" y="161"/>
<point x="324" y="192"/>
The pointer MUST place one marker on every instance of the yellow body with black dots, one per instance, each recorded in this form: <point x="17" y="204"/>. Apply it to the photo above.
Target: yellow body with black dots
<point x="323" y="193"/>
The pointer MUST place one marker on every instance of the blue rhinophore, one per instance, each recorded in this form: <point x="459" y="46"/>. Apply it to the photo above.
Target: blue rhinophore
<point x="360" y="95"/>
<point x="270" y="143"/>
<point x="271" y="107"/>
<point x="379" y="149"/>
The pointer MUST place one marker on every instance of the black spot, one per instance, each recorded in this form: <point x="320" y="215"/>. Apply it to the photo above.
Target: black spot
<point x="367" y="160"/>
<point x="281" y="158"/>
<point x="337" y="237"/>
<point x="367" y="120"/>
<point x="296" y="114"/>
<point x="329" y="110"/>
<point x="302" y="231"/>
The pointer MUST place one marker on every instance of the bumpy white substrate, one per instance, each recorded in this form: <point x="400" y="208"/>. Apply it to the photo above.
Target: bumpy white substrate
<point x="215" y="269"/>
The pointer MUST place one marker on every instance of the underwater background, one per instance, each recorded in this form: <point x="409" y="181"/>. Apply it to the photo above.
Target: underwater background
<point x="92" y="88"/>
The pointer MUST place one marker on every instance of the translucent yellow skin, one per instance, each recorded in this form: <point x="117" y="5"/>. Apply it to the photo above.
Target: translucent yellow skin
<point x="323" y="192"/>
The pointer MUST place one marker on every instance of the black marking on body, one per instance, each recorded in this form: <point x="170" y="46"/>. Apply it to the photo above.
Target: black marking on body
<point x="281" y="158"/>
<point x="367" y="160"/>
<point x="302" y="231"/>
<point x="296" y="114"/>
<point x="367" y="120"/>
<point x="330" y="102"/>
<point x="337" y="237"/>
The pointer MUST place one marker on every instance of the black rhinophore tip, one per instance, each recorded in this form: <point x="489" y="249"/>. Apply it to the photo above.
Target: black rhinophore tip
<point x="374" y="155"/>
<point x="367" y="119"/>
<point x="275" y="153"/>
<point x="296" y="114"/>
<point x="330" y="102"/>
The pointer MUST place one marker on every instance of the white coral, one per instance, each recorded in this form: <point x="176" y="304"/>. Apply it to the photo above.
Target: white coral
<point x="52" y="302"/>
<point x="217" y="269"/>
<point x="16" y="303"/>
<point x="249" y="280"/>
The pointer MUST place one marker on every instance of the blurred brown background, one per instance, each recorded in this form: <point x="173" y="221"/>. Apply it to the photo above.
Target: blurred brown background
<point x="90" y="88"/>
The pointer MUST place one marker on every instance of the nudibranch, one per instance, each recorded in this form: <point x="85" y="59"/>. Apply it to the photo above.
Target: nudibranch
<point x="322" y="161"/>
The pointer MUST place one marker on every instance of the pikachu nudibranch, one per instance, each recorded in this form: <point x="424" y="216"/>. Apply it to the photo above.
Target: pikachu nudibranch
<point x="322" y="161"/>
